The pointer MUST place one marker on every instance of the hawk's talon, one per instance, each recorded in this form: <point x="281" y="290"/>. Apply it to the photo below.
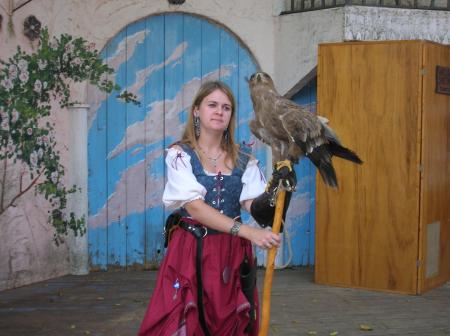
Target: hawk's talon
<point x="285" y="175"/>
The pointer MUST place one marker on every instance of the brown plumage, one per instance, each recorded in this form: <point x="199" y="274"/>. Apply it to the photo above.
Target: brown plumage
<point x="292" y="131"/>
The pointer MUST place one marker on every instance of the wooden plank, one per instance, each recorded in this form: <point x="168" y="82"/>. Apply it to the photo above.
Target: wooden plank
<point x="210" y="48"/>
<point x="333" y="257"/>
<point x="312" y="190"/>
<point x="435" y="181"/>
<point x="135" y="156"/>
<point x="367" y="234"/>
<point x="173" y="72"/>
<point x="116" y="167"/>
<point x="97" y="186"/>
<point x="301" y="213"/>
<point x="154" y="129"/>
<point x="192" y="59"/>
<point x="246" y="67"/>
<point x="229" y="56"/>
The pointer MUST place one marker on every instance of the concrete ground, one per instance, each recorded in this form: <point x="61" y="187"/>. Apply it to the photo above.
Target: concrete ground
<point x="113" y="303"/>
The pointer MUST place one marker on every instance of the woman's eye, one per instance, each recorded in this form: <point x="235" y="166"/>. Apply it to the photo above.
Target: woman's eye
<point x="227" y="108"/>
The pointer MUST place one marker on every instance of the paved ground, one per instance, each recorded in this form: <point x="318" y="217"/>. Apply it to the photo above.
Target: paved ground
<point x="113" y="303"/>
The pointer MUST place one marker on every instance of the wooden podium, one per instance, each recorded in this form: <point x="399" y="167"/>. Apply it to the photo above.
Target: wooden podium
<point x="387" y="227"/>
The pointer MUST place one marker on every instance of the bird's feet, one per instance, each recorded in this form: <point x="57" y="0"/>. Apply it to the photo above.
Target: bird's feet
<point x="283" y="173"/>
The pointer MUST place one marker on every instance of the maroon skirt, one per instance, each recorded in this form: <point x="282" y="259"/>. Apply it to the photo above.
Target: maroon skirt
<point x="173" y="306"/>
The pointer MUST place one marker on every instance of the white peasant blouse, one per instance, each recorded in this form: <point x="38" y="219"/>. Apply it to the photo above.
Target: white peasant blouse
<point x="182" y="186"/>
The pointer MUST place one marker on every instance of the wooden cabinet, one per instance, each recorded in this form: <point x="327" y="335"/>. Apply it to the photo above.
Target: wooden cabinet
<point x="387" y="227"/>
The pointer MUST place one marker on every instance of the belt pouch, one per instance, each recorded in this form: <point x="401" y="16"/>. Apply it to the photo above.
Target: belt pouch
<point x="247" y="275"/>
<point x="172" y="222"/>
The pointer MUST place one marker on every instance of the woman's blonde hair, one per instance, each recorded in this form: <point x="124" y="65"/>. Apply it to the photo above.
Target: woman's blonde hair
<point x="227" y="143"/>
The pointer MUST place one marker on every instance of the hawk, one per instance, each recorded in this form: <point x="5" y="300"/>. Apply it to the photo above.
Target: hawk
<point x="292" y="131"/>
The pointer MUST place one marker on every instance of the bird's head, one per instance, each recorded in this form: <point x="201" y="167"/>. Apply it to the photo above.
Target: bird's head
<point x="260" y="78"/>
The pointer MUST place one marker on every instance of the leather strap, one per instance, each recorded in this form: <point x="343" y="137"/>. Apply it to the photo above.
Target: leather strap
<point x="198" y="234"/>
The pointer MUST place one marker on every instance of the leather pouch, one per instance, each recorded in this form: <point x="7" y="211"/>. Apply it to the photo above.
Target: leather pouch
<point x="247" y="275"/>
<point x="171" y="224"/>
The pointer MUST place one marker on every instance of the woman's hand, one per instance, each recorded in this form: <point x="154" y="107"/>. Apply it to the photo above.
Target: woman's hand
<point x="262" y="238"/>
<point x="213" y="219"/>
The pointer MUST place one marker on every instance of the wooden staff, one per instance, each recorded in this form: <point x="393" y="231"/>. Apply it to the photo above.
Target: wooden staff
<point x="270" y="265"/>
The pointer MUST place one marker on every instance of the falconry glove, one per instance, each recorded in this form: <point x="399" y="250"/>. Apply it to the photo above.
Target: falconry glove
<point x="263" y="207"/>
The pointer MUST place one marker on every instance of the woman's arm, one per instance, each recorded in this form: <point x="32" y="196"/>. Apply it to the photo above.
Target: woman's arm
<point x="182" y="189"/>
<point x="213" y="219"/>
<point x="247" y="205"/>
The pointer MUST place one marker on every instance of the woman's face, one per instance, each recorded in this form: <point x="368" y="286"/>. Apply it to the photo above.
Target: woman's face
<point x="214" y="111"/>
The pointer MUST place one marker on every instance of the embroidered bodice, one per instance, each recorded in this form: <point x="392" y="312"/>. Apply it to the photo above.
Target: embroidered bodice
<point x="187" y="181"/>
<point x="222" y="191"/>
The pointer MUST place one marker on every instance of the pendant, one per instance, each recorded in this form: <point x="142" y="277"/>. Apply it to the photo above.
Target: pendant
<point x="176" y="286"/>
<point x="226" y="274"/>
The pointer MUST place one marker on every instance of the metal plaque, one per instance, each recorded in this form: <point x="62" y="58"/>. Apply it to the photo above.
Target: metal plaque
<point x="442" y="80"/>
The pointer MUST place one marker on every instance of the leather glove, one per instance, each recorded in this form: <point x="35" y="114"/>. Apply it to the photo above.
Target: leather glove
<point x="284" y="171"/>
<point x="263" y="207"/>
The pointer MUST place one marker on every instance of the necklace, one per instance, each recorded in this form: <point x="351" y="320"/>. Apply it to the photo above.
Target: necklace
<point x="213" y="160"/>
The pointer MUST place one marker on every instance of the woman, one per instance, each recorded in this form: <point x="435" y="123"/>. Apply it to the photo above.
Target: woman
<point x="199" y="287"/>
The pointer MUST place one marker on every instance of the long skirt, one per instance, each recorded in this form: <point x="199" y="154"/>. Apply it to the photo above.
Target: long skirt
<point x="173" y="308"/>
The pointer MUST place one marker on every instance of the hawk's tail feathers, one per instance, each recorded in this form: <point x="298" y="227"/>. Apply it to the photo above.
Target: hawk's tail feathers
<point x="321" y="158"/>
<point x="344" y="153"/>
<point x="328" y="174"/>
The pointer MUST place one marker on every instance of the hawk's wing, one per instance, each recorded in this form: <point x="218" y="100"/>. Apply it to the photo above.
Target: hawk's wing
<point x="302" y="126"/>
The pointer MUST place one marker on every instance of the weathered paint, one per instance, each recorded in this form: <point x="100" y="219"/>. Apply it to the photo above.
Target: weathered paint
<point x="163" y="60"/>
<point x="126" y="142"/>
<point x="302" y="211"/>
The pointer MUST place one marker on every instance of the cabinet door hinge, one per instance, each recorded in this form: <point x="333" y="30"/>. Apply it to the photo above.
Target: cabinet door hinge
<point x="418" y="263"/>
<point x="423" y="71"/>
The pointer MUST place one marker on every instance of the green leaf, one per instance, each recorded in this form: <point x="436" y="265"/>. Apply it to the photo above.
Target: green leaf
<point x="365" y="327"/>
<point x="56" y="62"/>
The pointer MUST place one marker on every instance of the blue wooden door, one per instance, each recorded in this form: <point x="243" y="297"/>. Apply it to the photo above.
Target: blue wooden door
<point x="299" y="237"/>
<point x="162" y="59"/>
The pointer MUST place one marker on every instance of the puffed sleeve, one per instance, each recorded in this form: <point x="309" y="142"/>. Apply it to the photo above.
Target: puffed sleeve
<point x="182" y="186"/>
<point x="253" y="180"/>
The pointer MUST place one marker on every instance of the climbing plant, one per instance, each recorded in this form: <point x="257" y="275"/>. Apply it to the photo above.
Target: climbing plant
<point x="30" y="84"/>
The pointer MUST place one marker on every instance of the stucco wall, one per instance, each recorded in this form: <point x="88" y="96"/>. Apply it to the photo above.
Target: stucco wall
<point x="100" y="20"/>
<point x="297" y="35"/>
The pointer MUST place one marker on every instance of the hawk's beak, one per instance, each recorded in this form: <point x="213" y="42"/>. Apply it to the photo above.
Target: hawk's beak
<point x="246" y="79"/>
